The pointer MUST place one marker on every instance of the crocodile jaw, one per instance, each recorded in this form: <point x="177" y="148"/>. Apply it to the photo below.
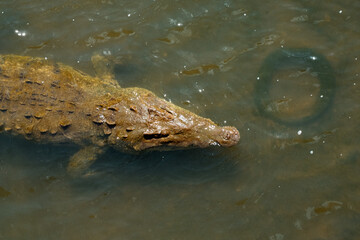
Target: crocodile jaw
<point x="218" y="136"/>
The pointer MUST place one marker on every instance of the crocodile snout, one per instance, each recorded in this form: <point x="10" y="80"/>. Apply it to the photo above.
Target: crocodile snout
<point x="227" y="136"/>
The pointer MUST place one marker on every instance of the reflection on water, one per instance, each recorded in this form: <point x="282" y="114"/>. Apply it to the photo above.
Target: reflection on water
<point x="280" y="182"/>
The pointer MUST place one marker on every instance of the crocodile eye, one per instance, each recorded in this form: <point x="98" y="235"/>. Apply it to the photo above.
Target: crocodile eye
<point x="149" y="136"/>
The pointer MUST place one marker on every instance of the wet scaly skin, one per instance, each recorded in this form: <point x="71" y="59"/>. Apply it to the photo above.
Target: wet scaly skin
<point x="55" y="103"/>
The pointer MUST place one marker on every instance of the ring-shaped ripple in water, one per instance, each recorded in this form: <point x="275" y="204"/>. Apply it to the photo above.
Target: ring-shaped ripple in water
<point x="295" y="58"/>
<point x="289" y="59"/>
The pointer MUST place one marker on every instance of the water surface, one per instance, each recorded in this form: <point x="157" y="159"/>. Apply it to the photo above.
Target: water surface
<point x="282" y="181"/>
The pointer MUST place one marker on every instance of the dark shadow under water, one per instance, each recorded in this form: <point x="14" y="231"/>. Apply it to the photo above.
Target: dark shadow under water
<point x="189" y="167"/>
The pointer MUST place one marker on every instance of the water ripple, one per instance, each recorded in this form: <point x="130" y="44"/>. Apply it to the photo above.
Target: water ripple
<point x="199" y="166"/>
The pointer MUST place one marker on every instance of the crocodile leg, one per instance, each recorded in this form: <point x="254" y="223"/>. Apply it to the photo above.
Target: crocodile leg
<point x="83" y="159"/>
<point x="104" y="69"/>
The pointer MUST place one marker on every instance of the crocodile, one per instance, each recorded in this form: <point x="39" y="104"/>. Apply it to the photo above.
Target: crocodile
<point x="52" y="102"/>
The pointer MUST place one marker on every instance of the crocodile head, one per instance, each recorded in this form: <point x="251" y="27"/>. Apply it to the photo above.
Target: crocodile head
<point x="152" y="123"/>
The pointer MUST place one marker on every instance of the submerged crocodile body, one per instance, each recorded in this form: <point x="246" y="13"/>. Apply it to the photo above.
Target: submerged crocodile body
<point x="49" y="102"/>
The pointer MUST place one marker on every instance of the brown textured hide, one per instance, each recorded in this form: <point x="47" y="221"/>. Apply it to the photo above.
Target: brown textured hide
<point x="55" y="103"/>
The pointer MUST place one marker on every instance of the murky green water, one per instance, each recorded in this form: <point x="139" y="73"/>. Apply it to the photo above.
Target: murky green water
<point x="281" y="182"/>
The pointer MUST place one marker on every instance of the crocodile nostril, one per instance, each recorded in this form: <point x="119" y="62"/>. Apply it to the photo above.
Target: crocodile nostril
<point x="230" y="136"/>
